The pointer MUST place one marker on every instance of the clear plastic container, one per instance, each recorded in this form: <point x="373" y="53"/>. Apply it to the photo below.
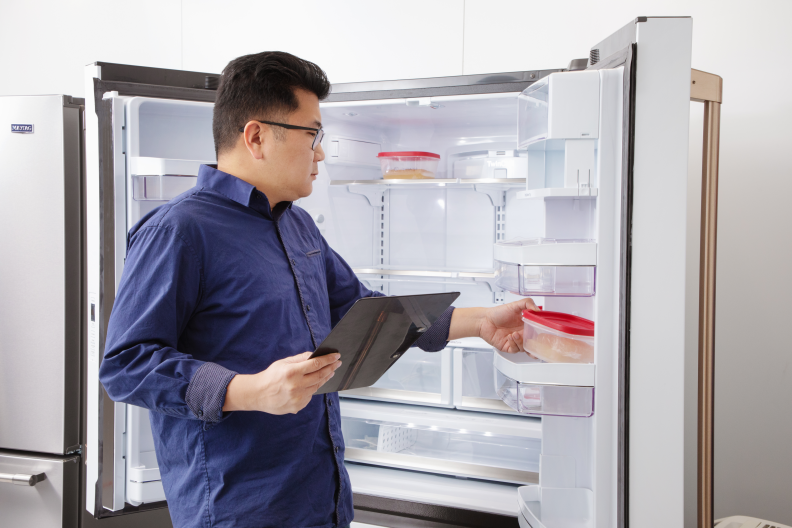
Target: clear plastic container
<point x="408" y="165"/>
<point x="558" y="337"/>
<point x="552" y="400"/>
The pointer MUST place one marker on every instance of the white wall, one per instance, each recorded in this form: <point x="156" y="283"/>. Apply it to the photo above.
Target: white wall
<point x="45" y="44"/>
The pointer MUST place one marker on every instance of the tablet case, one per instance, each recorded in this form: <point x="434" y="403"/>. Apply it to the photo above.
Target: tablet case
<point x="375" y="333"/>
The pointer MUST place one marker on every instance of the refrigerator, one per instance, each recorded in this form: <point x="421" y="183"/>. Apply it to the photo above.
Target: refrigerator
<point x="568" y="185"/>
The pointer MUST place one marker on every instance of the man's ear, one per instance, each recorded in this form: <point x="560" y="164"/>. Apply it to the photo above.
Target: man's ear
<point x="254" y="138"/>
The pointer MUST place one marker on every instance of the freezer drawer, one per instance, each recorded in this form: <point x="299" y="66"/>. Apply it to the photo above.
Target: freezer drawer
<point x="51" y="500"/>
<point x="421" y="378"/>
<point x="443" y="441"/>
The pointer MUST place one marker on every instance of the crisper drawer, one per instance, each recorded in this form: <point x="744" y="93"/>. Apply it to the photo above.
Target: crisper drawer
<point x="39" y="491"/>
<point x="474" y="381"/>
<point x="444" y="441"/>
<point x="418" y="377"/>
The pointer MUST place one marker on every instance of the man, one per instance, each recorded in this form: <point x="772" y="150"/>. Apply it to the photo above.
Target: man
<point x="224" y="290"/>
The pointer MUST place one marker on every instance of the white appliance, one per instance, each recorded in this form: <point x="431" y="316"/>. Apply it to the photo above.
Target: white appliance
<point x="603" y="156"/>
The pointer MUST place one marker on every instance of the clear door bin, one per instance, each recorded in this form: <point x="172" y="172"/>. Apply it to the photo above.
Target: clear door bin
<point x="566" y="281"/>
<point x="445" y="442"/>
<point x="553" y="400"/>
<point x="547" y="267"/>
<point x="557" y="337"/>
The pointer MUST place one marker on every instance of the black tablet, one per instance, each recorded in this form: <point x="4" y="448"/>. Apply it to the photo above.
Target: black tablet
<point x="374" y="334"/>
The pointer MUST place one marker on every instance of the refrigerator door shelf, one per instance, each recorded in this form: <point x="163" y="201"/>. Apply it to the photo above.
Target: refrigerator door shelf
<point x="431" y="440"/>
<point x="138" y="493"/>
<point x="555" y="507"/>
<point x="421" y="378"/>
<point x="523" y="368"/>
<point x="545" y="400"/>
<point x="560" y="106"/>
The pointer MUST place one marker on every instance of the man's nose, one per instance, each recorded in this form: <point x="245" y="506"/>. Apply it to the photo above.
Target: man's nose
<point x="319" y="154"/>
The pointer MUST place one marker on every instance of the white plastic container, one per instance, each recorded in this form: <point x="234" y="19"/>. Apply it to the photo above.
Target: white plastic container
<point x="408" y="165"/>
<point x="497" y="164"/>
<point x="557" y="337"/>
<point x="547" y="267"/>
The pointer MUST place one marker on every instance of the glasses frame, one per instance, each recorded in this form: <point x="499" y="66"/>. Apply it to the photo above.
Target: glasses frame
<point x="316" y="140"/>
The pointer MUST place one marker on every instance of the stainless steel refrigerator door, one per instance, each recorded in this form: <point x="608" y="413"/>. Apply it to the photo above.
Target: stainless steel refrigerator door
<point x="40" y="192"/>
<point x="39" y="491"/>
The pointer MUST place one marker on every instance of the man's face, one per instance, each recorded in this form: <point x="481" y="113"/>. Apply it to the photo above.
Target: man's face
<point x="292" y="165"/>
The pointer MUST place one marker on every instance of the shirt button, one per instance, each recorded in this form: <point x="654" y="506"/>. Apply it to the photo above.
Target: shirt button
<point x="336" y="449"/>
<point x="294" y="262"/>
<point x="200" y="412"/>
<point x="307" y="307"/>
<point x="330" y="403"/>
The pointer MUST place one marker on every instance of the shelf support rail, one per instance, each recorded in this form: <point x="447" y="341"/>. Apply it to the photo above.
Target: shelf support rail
<point x="707" y="88"/>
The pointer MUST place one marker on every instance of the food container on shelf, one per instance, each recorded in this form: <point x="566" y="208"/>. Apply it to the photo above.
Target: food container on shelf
<point x="546" y="267"/>
<point x="499" y="164"/>
<point x="534" y="387"/>
<point x="408" y="165"/>
<point x="558" y="337"/>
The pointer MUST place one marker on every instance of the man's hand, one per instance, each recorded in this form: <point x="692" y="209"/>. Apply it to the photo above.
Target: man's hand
<point x="285" y="387"/>
<point x="500" y="326"/>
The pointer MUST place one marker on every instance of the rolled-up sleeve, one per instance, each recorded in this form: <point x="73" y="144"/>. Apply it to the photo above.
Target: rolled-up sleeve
<point x="160" y="289"/>
<point x="435" y="338"/>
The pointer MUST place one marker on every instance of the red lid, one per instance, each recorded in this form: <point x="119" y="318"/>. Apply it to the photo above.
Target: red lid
<point x="563" y="322"/>
<point x="408" y="154"/>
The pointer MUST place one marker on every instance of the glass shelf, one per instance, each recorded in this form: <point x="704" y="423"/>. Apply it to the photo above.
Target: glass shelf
<point x="506" y="183"/>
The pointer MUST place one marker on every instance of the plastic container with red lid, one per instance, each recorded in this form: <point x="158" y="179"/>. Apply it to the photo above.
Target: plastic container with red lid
<point x="408" y="165"/>
<point x="558" y="337"/>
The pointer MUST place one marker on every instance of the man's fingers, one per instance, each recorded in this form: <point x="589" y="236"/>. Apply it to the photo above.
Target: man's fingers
<point x="530" y="304"/>
<point x="299" y="358"/>
<point x="317" y="363"/>
<point x="315" y="377"/>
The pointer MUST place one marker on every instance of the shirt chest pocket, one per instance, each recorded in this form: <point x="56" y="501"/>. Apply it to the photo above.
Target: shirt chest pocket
<point x="313" y="272"/>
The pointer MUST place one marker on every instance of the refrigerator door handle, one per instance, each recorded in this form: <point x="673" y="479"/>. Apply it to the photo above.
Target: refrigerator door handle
<point x="21" y="479"/>
<point x="707" y="88"/>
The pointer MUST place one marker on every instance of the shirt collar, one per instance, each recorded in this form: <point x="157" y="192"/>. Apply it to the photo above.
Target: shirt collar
<point x="238" y="190"/>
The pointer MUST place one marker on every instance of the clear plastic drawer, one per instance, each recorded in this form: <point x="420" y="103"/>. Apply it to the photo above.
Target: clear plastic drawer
<point x="474" y="381"/>
<point x="444" y="441"/>
<point x="418" y="377"/>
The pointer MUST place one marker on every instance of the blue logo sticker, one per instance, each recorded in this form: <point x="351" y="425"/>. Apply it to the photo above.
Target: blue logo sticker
<point x="22" y="129"/>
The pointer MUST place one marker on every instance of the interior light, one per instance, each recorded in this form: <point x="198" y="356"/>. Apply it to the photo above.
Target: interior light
<point x="350" y="114"/>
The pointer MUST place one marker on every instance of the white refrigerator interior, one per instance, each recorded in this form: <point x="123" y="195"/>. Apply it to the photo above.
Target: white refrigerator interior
<point x="526" y="199"/>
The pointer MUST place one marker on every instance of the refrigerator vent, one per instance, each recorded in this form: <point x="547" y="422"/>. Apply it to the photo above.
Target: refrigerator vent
<point x="594" y="56"/>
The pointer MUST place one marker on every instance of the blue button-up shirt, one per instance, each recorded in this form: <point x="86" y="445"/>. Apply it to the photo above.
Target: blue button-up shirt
<point x="217" y="283"/>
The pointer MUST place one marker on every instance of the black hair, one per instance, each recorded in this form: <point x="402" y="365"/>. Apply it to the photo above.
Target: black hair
<point x="261" y="86"/>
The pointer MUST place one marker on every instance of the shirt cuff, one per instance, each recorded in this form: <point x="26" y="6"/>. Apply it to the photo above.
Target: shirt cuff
<point x="436" y="337"/>
<point x="207" y="390"/>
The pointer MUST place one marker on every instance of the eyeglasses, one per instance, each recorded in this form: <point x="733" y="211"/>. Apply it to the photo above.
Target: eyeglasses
<point x="316" y="140"/>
